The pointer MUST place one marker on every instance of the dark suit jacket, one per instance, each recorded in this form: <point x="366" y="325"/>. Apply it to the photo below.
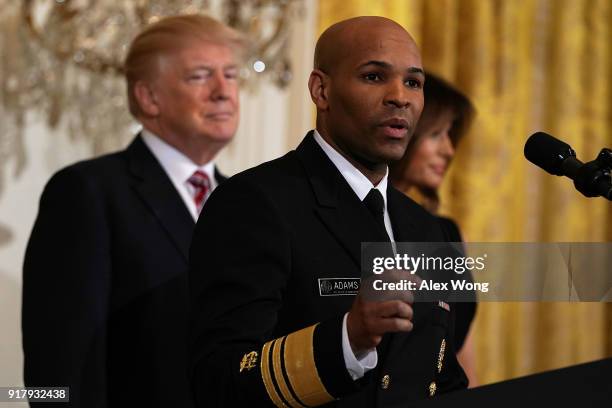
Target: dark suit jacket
<point x="278" y="228"/>
<point x="466" y="311"/>
<point x="105" y="294"/>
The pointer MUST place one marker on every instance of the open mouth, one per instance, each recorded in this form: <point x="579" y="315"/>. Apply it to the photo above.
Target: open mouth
<point x="395" y="132"/>
<point x="395" y="128"/>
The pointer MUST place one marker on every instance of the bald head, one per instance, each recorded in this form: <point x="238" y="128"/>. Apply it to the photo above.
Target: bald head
<point x="340" y="40"/>
<point x="367" y="84"/>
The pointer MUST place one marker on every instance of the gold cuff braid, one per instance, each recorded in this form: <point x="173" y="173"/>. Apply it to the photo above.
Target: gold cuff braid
<point x="304" y="387"/>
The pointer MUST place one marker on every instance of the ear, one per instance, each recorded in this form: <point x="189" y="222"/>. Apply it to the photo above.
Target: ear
<point x="318" y="84"/>
<point x="145" y="95"/>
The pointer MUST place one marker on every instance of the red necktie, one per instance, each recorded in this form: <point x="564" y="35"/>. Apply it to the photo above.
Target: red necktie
<point x="201" y="184"/>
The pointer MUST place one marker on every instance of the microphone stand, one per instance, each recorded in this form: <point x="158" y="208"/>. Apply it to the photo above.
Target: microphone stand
<point x="593" y="178"/>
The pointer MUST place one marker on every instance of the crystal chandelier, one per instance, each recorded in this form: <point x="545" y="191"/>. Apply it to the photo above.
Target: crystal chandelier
<point x="63" y="58"/>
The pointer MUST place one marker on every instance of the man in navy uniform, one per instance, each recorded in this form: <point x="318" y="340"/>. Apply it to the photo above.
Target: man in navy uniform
<point x="272" y="238"/>
<point x="105" y="288"/>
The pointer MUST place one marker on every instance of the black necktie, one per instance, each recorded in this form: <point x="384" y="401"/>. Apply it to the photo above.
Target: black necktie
<point x="376" y="205"/>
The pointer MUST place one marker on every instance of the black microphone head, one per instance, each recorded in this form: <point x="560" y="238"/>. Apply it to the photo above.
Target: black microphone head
<point x="547" y="152"/>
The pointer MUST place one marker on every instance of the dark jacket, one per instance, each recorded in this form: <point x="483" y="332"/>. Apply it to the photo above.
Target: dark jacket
<point x="105" y="284"/>
<point x="262" y="332"/>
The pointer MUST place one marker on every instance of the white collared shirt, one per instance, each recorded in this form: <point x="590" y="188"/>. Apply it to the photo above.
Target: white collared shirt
<point x="356" y="179"/>
<point x="361" y="185"/>
<point x="179" y="169"/>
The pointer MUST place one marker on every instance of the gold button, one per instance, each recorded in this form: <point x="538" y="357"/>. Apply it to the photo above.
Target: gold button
<point x="432" y="389"/>
<point x="384" y="382"/>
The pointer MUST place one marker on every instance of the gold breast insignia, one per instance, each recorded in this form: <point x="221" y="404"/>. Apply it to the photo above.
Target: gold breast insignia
<point x="249" y="361"/>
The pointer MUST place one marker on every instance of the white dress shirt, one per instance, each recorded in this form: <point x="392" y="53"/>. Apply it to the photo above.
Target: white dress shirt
<point x="361" y="185"/>
<point x="179" y="169"/>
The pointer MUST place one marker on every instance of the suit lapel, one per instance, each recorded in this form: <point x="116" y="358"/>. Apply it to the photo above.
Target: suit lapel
<point x="220" y="178"/>
<point x="154" y="187"/>
<point x="402" y="221"/>
<point x="338" y="206"/>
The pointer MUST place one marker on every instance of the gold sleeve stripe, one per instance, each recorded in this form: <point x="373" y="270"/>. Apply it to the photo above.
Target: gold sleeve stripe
<point x="278" y="374"/>
<point x="267" y="378"/>
<point x="301" y="368"/>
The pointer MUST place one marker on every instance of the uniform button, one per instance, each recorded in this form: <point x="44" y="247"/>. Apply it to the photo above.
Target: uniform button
<point x="385" y="381"/>
<point x="432" y="389"/>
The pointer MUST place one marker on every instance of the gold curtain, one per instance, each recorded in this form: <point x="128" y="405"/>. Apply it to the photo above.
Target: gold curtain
<point x="527" y="65"/>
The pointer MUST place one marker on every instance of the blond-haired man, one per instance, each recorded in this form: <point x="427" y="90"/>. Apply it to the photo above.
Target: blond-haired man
<point x="105" y="274"/>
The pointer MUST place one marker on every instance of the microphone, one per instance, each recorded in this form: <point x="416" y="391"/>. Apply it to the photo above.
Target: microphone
<point x="592" y="179"/>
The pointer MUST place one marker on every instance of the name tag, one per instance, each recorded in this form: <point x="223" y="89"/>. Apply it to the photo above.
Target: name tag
<point x="338" y="286"/>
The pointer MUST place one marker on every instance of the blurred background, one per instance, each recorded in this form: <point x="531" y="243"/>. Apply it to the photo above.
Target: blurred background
<point x="527" y="65"/>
